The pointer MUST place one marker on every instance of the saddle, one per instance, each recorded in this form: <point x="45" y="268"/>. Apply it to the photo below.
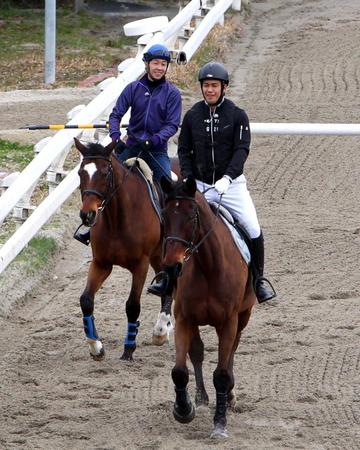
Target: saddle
<point x="239" y="234"/>
<point x="155" y="192"/>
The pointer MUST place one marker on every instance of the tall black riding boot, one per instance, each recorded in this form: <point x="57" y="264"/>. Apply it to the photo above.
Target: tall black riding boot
<point x="83" y="237"/>
<point x="263" y="288"/>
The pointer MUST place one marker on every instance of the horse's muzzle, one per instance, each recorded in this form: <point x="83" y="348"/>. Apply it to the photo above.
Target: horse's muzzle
<point x="88" y="218"/>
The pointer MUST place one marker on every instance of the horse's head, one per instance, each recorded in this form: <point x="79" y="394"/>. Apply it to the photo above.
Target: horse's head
<point x="181" y="222"/>
<point x="96" y="179"/>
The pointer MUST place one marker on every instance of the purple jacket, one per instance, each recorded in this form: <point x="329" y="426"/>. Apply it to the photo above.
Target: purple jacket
<point x="154" y="116"/>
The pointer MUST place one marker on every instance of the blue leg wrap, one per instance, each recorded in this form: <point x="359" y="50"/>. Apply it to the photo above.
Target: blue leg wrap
<point x="89" y="327"/>
<point x="132" y="331"/>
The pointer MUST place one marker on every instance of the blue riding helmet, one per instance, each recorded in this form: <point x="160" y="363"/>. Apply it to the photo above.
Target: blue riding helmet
<point x="157" y="51"/>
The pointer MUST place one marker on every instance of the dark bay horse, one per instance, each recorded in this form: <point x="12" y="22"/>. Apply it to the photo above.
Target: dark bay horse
<point x="213" y="287"/>
<point x="125" y="231"/>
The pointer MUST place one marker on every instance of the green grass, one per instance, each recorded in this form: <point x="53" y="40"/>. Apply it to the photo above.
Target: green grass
<point x="22" y="27"/>
<point x="37" y="253"/>
<point x="15" y="156"/>
<point x="85" y="44"/>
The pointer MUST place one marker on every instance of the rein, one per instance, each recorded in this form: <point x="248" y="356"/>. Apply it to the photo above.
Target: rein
<point x="191" y="247"/>
<point x="110" y="191"/>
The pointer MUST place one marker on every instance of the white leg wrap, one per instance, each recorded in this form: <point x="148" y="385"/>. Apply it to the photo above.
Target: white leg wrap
<point x="95" y="347"/>
<point x="163" y="325"/>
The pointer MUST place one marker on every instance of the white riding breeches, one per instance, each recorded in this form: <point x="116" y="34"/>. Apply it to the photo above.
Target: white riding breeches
<point x="238" y="201"/>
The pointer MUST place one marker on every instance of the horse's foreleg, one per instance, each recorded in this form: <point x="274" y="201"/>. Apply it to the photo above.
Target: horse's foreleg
<point x="133" y="309"/>
<point x="163" y="327"/>
<point x="184" y="410"/>
<point x="96" y="276"/>
<point x="222" y="375"/>
<point x="196" y="354"/>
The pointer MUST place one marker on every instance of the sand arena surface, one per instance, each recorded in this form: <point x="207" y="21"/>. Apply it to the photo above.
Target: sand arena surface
<point x="297" y="366"/>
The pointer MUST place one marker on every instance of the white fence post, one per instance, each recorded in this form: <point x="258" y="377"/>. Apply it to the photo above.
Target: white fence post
<point x="236" y="5"/>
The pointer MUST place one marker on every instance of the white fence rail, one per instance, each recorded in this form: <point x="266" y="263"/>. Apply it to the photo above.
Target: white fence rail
<point x="58" y="146"/>
<point x="339" y="129"/>
<point x="61" y="143"/>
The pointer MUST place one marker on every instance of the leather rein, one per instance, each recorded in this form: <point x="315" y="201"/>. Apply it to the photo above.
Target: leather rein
<point x="110" y="191"/>
<point x="190" y="245"/>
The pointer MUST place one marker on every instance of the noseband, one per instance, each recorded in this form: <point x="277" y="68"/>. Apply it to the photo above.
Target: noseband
<point x="104" y="197"/>
<point x="190" y="245"/>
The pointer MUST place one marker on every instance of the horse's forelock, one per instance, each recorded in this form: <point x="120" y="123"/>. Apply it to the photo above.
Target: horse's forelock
<point x="178" y="189"/>
<point x="95" y="149"/>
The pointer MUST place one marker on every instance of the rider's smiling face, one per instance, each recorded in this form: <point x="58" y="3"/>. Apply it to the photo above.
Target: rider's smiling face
<point x="212" y="90"/>
<point x="157" y="69"/>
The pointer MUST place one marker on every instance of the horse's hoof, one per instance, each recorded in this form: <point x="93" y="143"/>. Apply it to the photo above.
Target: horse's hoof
<point x="159" y="340"/>
<point x="97" y="357"/>
<point x="231" y="399"/>
<point x="184" y="418"/>
<point x="219" y="432"/>
<point x="100" y="356"/>
<point x="127" y="356"/>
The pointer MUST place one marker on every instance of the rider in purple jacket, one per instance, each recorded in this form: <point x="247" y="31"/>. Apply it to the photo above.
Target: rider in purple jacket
<point x="155" y="116"/>
<point x="155" y="113"/>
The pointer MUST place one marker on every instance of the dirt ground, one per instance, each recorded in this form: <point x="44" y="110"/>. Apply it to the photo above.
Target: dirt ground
<point x="297" y="366"/>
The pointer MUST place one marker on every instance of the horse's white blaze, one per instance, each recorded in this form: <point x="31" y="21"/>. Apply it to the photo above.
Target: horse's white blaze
<point x="90" y="169"/>
<point x="163" y="325"/>
<point x="95" y="346"/>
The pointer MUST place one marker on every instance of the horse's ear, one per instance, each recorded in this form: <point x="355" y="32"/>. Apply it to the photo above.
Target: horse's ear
<point x="190" y="186"/>
<point x="81" y="147"/>
<point x="166" y="185"/>
<point x="110" y="147"/>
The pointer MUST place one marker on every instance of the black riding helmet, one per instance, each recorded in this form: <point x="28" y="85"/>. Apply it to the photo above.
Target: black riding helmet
<point x="214" y="71"/>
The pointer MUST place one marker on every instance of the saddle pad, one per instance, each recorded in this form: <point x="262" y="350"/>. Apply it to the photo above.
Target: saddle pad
<point x="146" y="173"/>
<point x="239" y="240"/>
<point x="142" y="165"/>
<point x="228" y="220"/>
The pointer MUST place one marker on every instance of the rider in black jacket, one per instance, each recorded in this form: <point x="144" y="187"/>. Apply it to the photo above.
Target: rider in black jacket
<point x="214" y="144"/>
<point x="210" y="145"/>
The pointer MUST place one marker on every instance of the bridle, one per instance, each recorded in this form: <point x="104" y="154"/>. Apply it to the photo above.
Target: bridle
<point x="104" y="197"/>
<point x="190" y="245"/>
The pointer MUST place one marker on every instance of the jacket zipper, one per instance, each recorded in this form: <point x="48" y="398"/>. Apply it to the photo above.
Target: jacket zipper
<point x="212" y="142"/>
<point x="148" y="107"/>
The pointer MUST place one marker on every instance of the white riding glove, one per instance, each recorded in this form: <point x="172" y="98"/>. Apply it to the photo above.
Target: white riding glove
<point x="222" y="185"/>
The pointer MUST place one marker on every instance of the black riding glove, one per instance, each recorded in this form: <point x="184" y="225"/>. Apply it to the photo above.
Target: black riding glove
<point x="145" y="145"/>
<point x="120" y="146"/>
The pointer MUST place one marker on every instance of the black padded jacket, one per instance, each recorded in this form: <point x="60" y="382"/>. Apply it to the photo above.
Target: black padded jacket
<point x="214" y="143"/>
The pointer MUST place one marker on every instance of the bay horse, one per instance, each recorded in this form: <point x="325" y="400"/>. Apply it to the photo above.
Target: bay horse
<point x="213" y="287"/>
<point x="125" y="230"/>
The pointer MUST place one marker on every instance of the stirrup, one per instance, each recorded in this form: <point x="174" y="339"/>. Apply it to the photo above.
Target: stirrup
<point x="266" y="294"/>
<point x="160" y="288"/>
<point x="84" y="238"/>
